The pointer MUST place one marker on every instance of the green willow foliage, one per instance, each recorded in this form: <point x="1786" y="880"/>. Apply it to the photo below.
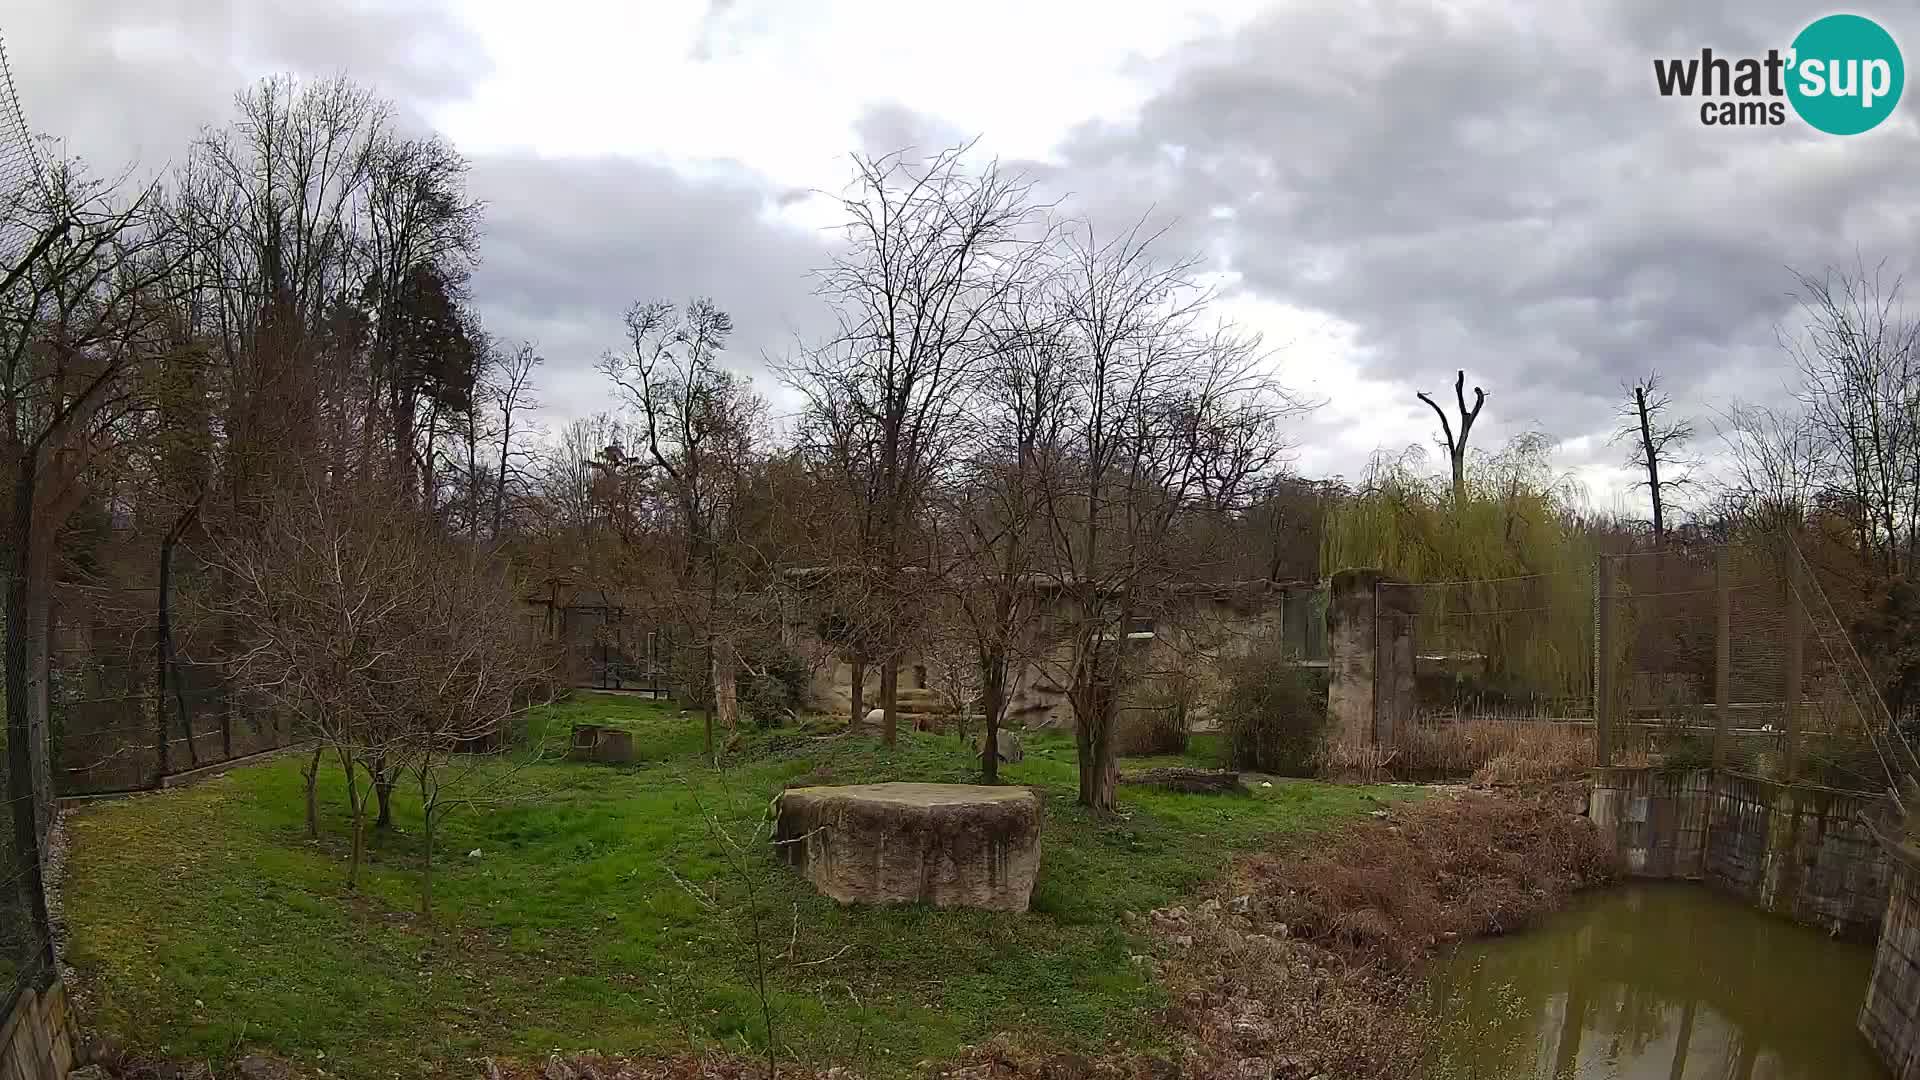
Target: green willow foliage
<point x="1506" y="579"/>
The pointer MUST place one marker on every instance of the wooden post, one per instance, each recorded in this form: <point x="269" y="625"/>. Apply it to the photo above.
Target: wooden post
<point x="1723" y="656"/>
<point x="1603" y="674"/>
<point x="1796" y="645"/>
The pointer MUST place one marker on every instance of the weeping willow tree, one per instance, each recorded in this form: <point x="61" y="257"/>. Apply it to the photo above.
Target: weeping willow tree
<point x="1504" y="578"/>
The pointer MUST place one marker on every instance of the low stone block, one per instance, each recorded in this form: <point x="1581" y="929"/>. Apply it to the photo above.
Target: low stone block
<point x="949" y="845"/>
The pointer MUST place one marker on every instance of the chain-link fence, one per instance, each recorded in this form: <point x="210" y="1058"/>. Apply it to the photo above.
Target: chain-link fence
<point x="1729" y="655"/>
<point x="1723" y="655"/>
<point x="20" y="172"/>
<point x="26" y="949"/>
<point x="1490" y="679"/>
<point x="1507" y="647"/>
<point x="126" y="715"/>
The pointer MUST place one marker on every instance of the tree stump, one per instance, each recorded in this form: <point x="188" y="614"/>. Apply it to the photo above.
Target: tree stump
<point x="949" y="845"/>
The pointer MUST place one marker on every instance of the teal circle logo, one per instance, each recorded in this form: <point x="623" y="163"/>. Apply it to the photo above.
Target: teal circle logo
<point x="1846" y="74"/>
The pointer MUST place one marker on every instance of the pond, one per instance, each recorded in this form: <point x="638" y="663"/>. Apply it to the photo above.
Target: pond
<point x="1659" y="980"/>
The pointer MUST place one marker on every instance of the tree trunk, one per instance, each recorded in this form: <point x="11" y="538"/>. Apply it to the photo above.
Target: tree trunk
<point x="312" y="776"/>
<point x="383" y="779"/>
<point x="1653" y="463"/>
<point x="857" y="689"/>
<point x="726" y="686"/>
<point x="889" y="701"/>
<point x="993" y="703"/>
<point x="428" y="803"/>
<point x="40" y="685"/>
<point x="1095" y="700"/>
<point x="356" y="806"/>
<point x="24" y="867"/>
<point x="1458" y="458"/>
<point x="164" y="628"/>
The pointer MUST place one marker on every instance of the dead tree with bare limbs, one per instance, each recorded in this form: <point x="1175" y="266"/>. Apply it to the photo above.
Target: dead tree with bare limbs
<point x="1457" y="446"/>
<point x="1659" y="441"/>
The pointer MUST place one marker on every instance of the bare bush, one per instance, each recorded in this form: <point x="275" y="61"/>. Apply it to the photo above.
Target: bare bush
<point x="394" y="646"/>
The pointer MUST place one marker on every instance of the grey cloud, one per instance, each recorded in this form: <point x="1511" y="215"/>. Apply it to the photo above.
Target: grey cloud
<point x="886" y="128"/>
<point x="133" y="82"/>
<point x="571" y="243"/>
<point x="568" y="243"/>
<point x="1505" y="191"/>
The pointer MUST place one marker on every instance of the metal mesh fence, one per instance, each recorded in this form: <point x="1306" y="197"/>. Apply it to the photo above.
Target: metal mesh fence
<point x="26" y="950"/>
<point x="1725" y="655"/>
<point x="1729" y="655"/>
<point x="1499" y="648"/>
<point x="20" y="171"/>
<point x="113" y="726"/>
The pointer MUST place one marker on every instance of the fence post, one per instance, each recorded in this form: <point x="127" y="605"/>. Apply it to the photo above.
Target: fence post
<point x="1723" y="656"/>
<point x="1796" y="645"/>
<point x="1603" y="664"/>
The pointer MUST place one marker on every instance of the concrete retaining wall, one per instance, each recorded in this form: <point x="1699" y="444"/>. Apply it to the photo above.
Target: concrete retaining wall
<point x="1370" y="658"/>
<point x="36" y="1037"/>
<point x="1890" y="1017"/>
<point x="1797" y="850"/>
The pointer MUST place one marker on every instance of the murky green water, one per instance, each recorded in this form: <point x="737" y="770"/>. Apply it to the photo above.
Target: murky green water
<point x="1665" y="981"/>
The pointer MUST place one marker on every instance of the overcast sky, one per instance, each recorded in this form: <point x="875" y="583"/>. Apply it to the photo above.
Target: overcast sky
<point x="1389" y="189"/>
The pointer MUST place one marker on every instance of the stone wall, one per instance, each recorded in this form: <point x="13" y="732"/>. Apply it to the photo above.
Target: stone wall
<point x="36" y="1037"/>
<point x="1370" y="658"/>
<point x="1797" y="850"/>
<point x="1890" y="1017"/>
<point x="1189" y="632"/>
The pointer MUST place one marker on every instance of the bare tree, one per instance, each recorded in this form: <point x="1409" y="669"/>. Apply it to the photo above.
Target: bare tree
<point x="394" y="645"/>
<point x="1457" y="445"/>
<point x="701" y="425"/>
<point x="77" y="323"/>
<point x="1659" y="440"/>
<point x="508" y="387"/>
<point x="1170" y="422"/>
<point x="933" y="247"/>
<point x="1859" y="358"/>
<point x="1774" y="469"/>
<point x="994" y="508"/>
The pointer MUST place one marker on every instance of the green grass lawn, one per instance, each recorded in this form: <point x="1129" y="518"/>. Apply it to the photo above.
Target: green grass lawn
<point x="575" y="913"/>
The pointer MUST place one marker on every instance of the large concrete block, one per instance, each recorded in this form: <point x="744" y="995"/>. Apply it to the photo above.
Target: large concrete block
<point x="949" y="845"/>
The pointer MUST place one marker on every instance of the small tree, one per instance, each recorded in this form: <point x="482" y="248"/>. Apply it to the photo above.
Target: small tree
<point x="934" y="248"/>
<point x="393" y="645"/>
<point x="1171" y="428"/>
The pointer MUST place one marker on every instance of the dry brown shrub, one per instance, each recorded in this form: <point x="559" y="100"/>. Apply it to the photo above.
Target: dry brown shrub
<point x="1457" y="864"/>
<point x="1310" y="969"/>
<point x="1489" y="750"/>
<point x="1147" y="732"/>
